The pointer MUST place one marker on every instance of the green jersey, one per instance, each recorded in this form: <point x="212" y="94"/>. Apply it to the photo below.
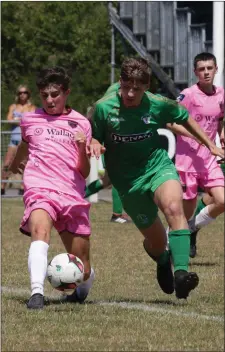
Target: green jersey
<point x="133" y="146"/>
<point x="113" y="88"/>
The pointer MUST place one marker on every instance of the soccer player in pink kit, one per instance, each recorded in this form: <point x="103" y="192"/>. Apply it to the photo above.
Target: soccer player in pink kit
<point x="195" y="164"/>
<point x="55" y="138"/>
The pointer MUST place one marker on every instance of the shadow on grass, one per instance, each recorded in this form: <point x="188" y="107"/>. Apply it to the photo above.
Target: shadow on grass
<point x="49" y="301"/>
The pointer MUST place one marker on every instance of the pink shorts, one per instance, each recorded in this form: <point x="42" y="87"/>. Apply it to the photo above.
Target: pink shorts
<point x="69" y="213"/>
<point x="190" y="181"/>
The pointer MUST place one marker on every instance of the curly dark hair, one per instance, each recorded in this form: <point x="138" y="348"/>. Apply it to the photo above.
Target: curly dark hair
<point x="53" y="75"/>
<point x="136" y="69"/>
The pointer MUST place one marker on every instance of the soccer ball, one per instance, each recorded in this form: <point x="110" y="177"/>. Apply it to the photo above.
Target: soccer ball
<point x="65" y="272"/>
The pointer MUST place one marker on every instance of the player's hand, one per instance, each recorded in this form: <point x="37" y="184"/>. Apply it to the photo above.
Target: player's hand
<point x="218" y="152"/>
<point x="81" y="140"/>
<point x="95" y="149"/>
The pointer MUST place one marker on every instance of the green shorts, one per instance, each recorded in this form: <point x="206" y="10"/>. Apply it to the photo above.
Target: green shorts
<point x="141" y="206"/>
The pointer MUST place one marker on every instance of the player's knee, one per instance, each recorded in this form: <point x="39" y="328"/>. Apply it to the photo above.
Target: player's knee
<point x="220" y="204"/>
<point x="173" y="209"/>
<point x="41" y="233"/>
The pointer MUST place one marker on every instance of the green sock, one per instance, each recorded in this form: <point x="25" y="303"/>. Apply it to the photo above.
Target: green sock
<point x="117" y="204"/>
<point x="179" y="242"/>
<point x="93" y="188"/>
<point x="200" y="205"/>
<point x="161" y="259"/>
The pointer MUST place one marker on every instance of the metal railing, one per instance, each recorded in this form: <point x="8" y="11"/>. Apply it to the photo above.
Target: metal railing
<point x="13" y="181"/>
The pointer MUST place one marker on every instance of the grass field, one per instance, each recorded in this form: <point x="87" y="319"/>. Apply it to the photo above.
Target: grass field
<point x="126" y="310"/>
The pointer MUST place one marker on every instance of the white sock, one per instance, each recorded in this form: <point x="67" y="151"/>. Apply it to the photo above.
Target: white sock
<point x="203" y="218"/>
<point x="83" y="289"/>
<point x="37" y="265"/>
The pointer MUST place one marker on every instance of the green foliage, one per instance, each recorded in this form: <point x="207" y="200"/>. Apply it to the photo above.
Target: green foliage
<point x="75" y="35"/>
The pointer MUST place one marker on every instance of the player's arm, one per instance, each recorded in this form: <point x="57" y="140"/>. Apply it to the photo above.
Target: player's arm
<point x="183" y="100"/>
<point x="181" y="130"/>
<point x="175" y="113"/>
<point x="222" y="136"/>
<point x="84" y="160"/>
<point x="96" y="148"/>
<point x="193" y="127"/>
<point x="20" y="158"/>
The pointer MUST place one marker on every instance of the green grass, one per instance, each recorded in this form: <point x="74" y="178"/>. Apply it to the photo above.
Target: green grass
<point x="125" y="275"/>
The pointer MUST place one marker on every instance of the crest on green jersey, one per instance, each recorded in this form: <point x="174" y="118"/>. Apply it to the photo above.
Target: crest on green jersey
<point x="146" y="118"/>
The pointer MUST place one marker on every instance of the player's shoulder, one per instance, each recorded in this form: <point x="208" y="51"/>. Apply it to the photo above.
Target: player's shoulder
<point x="220" y="90"/>
<point x="186" y="93"/>
<point x="113" y="88"/>
<point x="158" y="99"/>
<point x="107" y="102"/>
<point x="106" y="99"/>
<point x="78" y="117"/>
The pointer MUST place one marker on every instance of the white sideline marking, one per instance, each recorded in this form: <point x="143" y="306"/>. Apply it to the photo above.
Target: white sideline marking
<point x="126" y="305"/>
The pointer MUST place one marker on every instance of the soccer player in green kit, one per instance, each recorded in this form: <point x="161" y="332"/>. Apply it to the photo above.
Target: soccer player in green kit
<point x="118" y="215"/>
<point x="126" y="123"/>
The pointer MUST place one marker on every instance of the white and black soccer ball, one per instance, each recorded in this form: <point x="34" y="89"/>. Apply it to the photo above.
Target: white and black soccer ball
<point x="65" y="272"/>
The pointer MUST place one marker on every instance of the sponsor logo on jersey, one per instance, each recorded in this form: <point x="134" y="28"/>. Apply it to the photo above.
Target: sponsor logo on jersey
<point x="38" y="131"/>
<point x="180" y="98"/>
<point x="56" y="132"/>
<point x="146" y="118"/>
<point x="72" y="124"/>
<point x="132" y="138"/>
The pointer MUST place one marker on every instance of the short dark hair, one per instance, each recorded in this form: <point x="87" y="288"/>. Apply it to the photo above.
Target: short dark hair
<point x="204" y="57"/>
<point x="135" y="69"/>
<point x="53" y="75"/>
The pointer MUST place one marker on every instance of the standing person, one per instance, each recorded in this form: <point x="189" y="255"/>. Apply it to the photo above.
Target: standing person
<point x="21" y="105"/>
<point x="118" y="215"/>
<point x="197" y="167"/>
<point x="55" y="138"/>
<point x="126" y="124"/>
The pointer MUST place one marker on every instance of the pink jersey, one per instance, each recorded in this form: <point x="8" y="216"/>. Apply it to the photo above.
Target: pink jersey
<point x="53" y="154"/>
<point x="207" y="111"/>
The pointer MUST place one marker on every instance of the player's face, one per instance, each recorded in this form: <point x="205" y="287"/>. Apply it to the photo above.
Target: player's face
<point x="132" y="92"/>
<point x="53" y="99"/>
<point x="205" y="71"/>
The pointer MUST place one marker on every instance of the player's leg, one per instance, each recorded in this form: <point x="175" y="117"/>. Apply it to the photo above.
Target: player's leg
<point x="168" y="196"/>
<point x="205" y="200"/>
<point x="74" y="229"/>
<point x="79" y="246"/>
<point x="39" y="216"/>
<point x="143" y="211"/>
<point x="190" y="192"/>
<point x="40" y="224"/>
<point x="210" y="212"/>
<point x="10" y="154"/>
<point x="213" y="204"/>
<point x="118" y="216"/>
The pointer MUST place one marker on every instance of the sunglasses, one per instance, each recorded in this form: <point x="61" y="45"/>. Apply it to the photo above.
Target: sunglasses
<point x="25" y="92"/>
